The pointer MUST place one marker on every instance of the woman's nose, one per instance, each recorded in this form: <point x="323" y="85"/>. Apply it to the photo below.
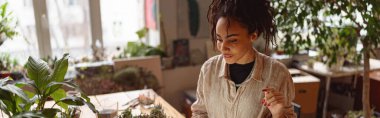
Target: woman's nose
<point x="224" y="46"/>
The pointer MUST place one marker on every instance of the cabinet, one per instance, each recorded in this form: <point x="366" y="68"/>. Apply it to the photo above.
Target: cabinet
<point x="306" y="92"/>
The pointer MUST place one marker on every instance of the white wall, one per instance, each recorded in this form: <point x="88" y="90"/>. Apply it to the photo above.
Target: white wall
<point x="179" y="79"/>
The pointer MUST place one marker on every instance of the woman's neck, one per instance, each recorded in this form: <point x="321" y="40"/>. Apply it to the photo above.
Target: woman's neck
<point x="248" y="57"/>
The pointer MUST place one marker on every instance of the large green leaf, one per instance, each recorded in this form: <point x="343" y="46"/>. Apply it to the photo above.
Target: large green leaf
<point x="12" y="98"/>
<point x="87" y="100"/>
<point x="83" y="95"/>
<point x="13" y="89"/>
<point x="58" y="95"/>
<point x="10" y="106"/>
<point x="56" y="85"/>
<point x="5" y="95"/>
<point x="38" y="71"/>
<point x="24" y="106"/>
<point x="30" y="114"/>
<point x="21" y="104"/>
<point x="58" y="75"/>
<point x="73" y="100"/>
<point x="4" y="108"/>
<point x="50" y="112"/>
<point x="4" y="81"/>
<point x="60" y="69"/>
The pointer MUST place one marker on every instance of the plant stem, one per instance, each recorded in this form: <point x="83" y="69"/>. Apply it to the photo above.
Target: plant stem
<point x="41" y="104"/>
<point x="55" y="104"/>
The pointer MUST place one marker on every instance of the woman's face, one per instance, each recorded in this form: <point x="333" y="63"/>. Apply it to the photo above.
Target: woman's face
<point x="234" y="42"/>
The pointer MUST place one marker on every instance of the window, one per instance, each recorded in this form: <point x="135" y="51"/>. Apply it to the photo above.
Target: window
<point x="69" y="26"/>
<point x="25" y="44"/>
<point x="120" y="20"/>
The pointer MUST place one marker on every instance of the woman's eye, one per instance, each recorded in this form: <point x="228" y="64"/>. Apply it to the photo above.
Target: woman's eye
<point x="232" y="40"/>
<point x="219" y="40"/>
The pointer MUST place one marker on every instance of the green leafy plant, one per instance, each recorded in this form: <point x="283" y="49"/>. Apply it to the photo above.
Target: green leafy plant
<point x="6" y="62"/>
<point x="7" y="24"/>
<point x="341" y="47"/>
<point x="309" y="24"/>
<point x="47" y="84"/>
<point x="139" y="48"/>
<point x="357" y="114"/>
<point x="156" y="112"/>
<point x="136" y="78"/>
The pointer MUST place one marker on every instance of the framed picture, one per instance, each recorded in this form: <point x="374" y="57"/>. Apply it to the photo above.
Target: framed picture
<point x="181" y="52"/>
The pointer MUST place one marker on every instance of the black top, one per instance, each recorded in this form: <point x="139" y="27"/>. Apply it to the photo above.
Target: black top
<point x="240" y="72"/>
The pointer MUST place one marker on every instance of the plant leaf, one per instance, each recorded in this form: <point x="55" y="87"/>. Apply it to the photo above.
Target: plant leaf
<point x="50" y="112"/>
<point x="57" y="96"/>
<point x="56" y="85"/>
<point x="58" y="75"/>
<point x="60" y="69"/>
<point x="86" y="100"/>
<point x="38" y="71"/>
<point x="10" y="106"/>
<point x="4" y="9"/>
<point x="88" y="103"/>
<point x="13" y="89"/>
<point x="4" y="108"/>
<point x="142" y="32"/>
<point x="73" y="100"/>
<point x="30" y="115"/>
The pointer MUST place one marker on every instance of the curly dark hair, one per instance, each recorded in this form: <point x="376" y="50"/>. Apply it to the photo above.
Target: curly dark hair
<point x="255" y="15"/>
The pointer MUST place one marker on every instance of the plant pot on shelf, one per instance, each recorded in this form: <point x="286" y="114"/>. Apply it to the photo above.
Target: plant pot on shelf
<point x="338" y="65"/>
<point x="301" y="57"/>
<point x="107" y="113"/>
<point x="4" y="74"/>
<point x="310" y="63"/>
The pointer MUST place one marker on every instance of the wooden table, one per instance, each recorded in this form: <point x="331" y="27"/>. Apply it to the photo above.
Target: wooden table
<point x="117" y="100"/>
<point x="321" y="69"/>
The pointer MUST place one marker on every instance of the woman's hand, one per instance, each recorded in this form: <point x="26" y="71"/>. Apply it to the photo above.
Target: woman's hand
<point x="274" y="101"/>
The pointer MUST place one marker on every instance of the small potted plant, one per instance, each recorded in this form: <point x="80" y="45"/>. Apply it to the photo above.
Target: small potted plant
<point x="156" y="112"/>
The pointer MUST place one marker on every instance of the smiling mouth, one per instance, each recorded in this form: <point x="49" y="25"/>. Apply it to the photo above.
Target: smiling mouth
<point x="227" y="55"/>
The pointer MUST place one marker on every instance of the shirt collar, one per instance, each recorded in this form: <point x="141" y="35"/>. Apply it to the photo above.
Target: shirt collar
<point x="257" y="68"/>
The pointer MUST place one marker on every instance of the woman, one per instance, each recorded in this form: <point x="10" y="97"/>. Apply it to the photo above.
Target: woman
<point x="242" y="82"/>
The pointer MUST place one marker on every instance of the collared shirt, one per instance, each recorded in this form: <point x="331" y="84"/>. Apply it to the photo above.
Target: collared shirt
<point x="217" y="96"/>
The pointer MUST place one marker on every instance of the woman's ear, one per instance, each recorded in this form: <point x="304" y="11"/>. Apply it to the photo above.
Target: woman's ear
<point x="253" y="37"/>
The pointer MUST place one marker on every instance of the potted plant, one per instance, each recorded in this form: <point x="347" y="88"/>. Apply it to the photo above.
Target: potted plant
<point x="156" y="112"/>
<point x="46" y="83"/>
<point x="139" y="48"/>
<point x="309" y="23"/>
<point x="7" y="64"/>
